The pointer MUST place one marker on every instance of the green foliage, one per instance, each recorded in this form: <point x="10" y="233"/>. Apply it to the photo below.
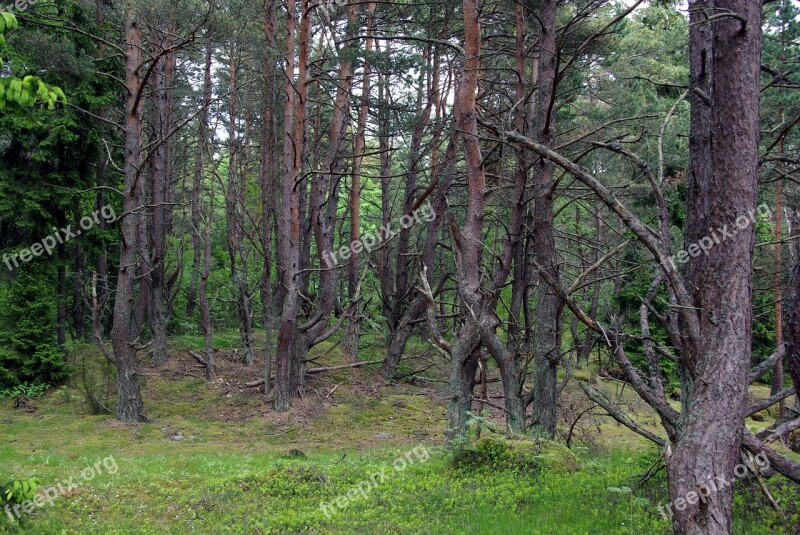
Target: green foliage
<point x="28" y="390"/>
<point x="18" y="490"/>
<point x="28" y="90"/>
<point x="28" y="348"/>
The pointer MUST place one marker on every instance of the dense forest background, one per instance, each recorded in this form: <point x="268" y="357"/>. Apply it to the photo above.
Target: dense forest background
<point x="507" y="200"/>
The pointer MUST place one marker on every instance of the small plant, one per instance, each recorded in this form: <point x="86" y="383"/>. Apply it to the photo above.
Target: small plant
<point x="17" y="492"/>
<point x="28" y="390"/>
<point x="632" y="500"/>
<point x="476" y="423"/>
<point x="95" y="379"/>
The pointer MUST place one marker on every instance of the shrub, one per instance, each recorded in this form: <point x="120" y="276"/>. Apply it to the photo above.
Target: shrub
<point x="16" y="492"/>
<point x="27" y="390"/>
<point x="522" y="455"/>
<point x="95" y="378"/>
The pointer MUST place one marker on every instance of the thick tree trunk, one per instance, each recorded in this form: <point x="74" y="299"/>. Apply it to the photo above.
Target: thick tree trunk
<point x="267" y="189"/>
<point x="469" y="239"/>
<point x="547" y="327"/>
<point x="130" y="407"/>
<point x="513" y="378"/>
<point x="791" y="319"/>
<point x="465" y="357"/>
<point x="725" y="60"/>
<point x="399" y="339"/>
<point x="288" y="216"/>
<point x="162" y="177"/>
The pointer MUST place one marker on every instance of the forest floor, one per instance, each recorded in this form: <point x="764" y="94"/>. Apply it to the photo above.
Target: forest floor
<point x="355" y="455"/>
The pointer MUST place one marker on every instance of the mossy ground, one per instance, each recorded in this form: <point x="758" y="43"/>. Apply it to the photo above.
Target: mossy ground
<point x="215" y="460"/>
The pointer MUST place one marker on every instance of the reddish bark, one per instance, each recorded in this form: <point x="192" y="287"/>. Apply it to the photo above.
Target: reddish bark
<point x="130" y="407"/>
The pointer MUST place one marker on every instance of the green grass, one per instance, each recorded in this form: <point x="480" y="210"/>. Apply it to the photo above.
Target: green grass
<point x="181" y="491"/>
<point x="235" y="477"/>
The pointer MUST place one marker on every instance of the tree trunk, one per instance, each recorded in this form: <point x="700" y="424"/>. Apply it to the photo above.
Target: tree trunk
<point x="267" y="189"/>
<point x="78" y="294"/>
<point x="234" y="210"/>
<point x="288" y="216"/>
<point x="724" y="61"/>
<point x="61" y="311"/>
<point x="465" y="357"/>
<point x="197" y="188"/>
<point x="352" y="332"/>
<point x="162" y="177"/>
<point x="777" y="378"/>
<point x="469" y="239"/>
<point x="547" y="328"/>
<point x="130" y="407"/>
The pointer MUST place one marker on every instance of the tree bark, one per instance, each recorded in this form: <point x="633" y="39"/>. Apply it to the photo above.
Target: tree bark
<point x="288" y="216"/>
<point x="725" y="65"/>
<point x="778" y="378"/>
<point x="352" y="332"/>
<point x="197" y="188"/>
<point x="162" y="179"/>
<point x="468" y="239"/>
<point x="267" y="188"/>
<point x="547" y="327"/>
<point x="130" y="407"/>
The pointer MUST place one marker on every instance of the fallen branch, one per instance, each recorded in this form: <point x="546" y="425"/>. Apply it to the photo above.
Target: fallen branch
<point x="602" y="400"/>
<point x="747" y="458"/>
<point x="343" y="366"/>
<point x="311" y="371"/>
<point x="199" y="358"/>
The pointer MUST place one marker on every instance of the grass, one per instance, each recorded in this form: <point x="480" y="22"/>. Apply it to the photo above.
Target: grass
<point x="235" y="475"/>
